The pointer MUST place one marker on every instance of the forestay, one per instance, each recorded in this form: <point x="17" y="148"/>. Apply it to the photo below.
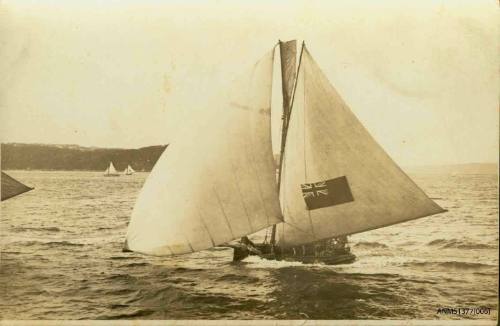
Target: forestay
<point x="216" y="182"/>
<point x="336" y="179"/>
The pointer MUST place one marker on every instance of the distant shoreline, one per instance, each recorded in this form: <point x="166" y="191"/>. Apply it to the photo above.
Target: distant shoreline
<point x="17" y="156"/>
<point x="39" y="170"/>
<point x="408" y="171"/>
<point x="46" y="157"/>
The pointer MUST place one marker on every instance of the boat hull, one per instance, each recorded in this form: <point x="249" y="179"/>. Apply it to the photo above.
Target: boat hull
<point x="266" y="251"/>
<point x="337" y="259"/>
<point x="111" y="175"/>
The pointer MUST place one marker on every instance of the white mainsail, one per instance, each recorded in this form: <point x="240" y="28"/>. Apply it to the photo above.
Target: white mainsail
<point x="217" y="183"/>
<point x="328" y="151"/>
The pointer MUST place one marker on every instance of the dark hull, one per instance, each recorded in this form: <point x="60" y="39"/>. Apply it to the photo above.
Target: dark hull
<point x="267" y="252"/>
<point x="335" y="259"/>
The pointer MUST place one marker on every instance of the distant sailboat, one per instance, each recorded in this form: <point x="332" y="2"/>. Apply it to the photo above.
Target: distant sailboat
<point x="111" y="171"/>
<point x="128" y="170"/>
<point x="218" y="183"/>
<point x="11" y="187"/>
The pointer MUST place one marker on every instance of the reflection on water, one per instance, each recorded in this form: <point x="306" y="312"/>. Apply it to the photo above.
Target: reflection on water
<point x="62" y="259"/>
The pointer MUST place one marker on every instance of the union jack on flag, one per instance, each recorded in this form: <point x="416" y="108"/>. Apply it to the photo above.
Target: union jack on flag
<point x="326" y="193"/>
<point x="314" y="189"/>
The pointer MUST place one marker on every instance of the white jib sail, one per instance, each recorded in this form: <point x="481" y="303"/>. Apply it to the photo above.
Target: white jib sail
<point x="217" y="182"/>
<point x="336" y="179"/>
<point x="130" y="170"/>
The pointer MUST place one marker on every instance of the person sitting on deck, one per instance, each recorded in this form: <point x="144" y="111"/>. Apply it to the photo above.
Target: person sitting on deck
<point x="340" y="244"/>
<point x="246" y="241"/>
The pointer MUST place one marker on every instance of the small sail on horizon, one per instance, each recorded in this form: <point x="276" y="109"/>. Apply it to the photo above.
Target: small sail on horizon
<point x="336" y="180"/>
<point x="128" y="170"/>
<point x="12" y="187"/>
<point x="217" y="182"/>
<point x="111" y="171"/>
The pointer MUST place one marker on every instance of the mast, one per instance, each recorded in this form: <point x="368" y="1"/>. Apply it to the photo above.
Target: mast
<point x="287" y="109"/>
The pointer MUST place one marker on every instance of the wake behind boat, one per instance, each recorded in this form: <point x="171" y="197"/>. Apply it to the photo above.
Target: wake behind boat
<point x="218" y="182"/>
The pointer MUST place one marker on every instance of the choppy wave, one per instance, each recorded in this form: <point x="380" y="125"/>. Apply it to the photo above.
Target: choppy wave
<point x="122" y="257"/>
<point x="59" y="265"/>
<point x="62" y="243"/>
<point x="136" y="313"/>
<point x="42" y="229"/>
<point x="135" y="265"/>
<point x="459" y="244"/>
<point x="369" y="245"/>
<point x="238" y="278"/>
<point x="450" y="265"/>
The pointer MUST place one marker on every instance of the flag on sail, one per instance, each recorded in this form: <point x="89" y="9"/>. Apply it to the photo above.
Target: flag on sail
<point x="216" y="181"/>
<point x="11" y="187"/>
<point x="328" y="188"/>
<point x="326" y="193"/>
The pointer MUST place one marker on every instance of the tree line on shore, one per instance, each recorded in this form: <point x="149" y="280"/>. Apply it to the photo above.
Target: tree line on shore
<point x="16" y="156"/>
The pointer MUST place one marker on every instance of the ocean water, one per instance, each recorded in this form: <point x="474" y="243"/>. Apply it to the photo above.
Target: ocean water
<point x="61" y="259"/>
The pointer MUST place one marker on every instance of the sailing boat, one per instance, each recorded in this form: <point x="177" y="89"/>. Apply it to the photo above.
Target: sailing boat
<point x="218" y="182"/>
<point x="128" y="170"/>
<point x="111" y="171"/>
<point x="11" y="187"/>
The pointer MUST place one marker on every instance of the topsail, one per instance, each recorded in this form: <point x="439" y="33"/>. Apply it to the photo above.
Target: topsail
<point x="288" y="55"/>
<point x="217" y="182"/>
<point x="336" y="180"/>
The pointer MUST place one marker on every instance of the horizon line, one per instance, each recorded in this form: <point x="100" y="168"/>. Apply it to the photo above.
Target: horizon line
<point x="125" y="148"/>
<point x="81" y="146"/>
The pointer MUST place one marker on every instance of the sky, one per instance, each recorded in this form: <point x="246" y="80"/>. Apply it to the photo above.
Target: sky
<point x="422" y="76"/>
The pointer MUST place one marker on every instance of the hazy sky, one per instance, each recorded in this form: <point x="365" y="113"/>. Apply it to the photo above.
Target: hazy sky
<point x="422" y="76"/>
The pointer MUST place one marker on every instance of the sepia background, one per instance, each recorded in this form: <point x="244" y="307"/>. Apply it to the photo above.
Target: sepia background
<point x="421" y="76"/>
